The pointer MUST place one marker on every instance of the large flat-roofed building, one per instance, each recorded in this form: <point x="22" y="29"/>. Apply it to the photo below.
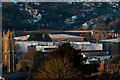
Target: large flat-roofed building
<point x="65" y="37"/>
<point x="23" y="45"/>
<point x="87" y="46"/>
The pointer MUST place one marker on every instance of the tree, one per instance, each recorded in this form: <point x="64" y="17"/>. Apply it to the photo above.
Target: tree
<point x="24" y="67"/>
<point x="37" y="61"/>
<point x="115" y="25"/>
<point x="59" y="64"/>
<point x="46" y="37"/>
<point x="100" y="26"/>
<point x="57" y="68"/>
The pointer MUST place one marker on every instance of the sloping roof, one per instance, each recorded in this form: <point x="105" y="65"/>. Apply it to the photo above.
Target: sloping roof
<point x="63" y="36"/>
<point x="22" y="37"/>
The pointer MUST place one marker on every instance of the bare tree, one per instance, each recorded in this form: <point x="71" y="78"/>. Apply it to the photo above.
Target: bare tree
<point x="57" y="68"/>
<point x="58" y="64"/>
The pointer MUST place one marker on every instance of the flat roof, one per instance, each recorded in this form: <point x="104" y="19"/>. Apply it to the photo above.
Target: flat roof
<point x="116" y="40"/>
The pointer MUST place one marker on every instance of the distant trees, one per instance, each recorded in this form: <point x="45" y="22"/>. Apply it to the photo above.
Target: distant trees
<point x="115" y="60"/>
<point x="39" y="37"/>
<point x="112" y="70"/>
<point x="115" y="25"/>
<point x="109" y="25"/>
<point x="46" y="37"/>
<point x="109" y="76"/>
<point x="53" y="15"/>
<point x="100" y="26"/>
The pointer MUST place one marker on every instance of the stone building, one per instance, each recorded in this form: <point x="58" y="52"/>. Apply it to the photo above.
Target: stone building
<point x="8" y="51"/>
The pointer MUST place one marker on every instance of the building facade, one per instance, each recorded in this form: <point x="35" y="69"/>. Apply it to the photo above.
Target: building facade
<point x="8" y="51"/>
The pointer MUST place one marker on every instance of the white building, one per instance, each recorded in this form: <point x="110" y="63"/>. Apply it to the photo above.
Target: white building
<point x="23" y="45"/>
<point x="87" y="46"/>
<point x="48" y="48"/>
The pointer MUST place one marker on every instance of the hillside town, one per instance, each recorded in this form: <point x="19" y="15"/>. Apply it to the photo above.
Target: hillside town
<point x="19" y="50"/>
<point x="54" y="40"/>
